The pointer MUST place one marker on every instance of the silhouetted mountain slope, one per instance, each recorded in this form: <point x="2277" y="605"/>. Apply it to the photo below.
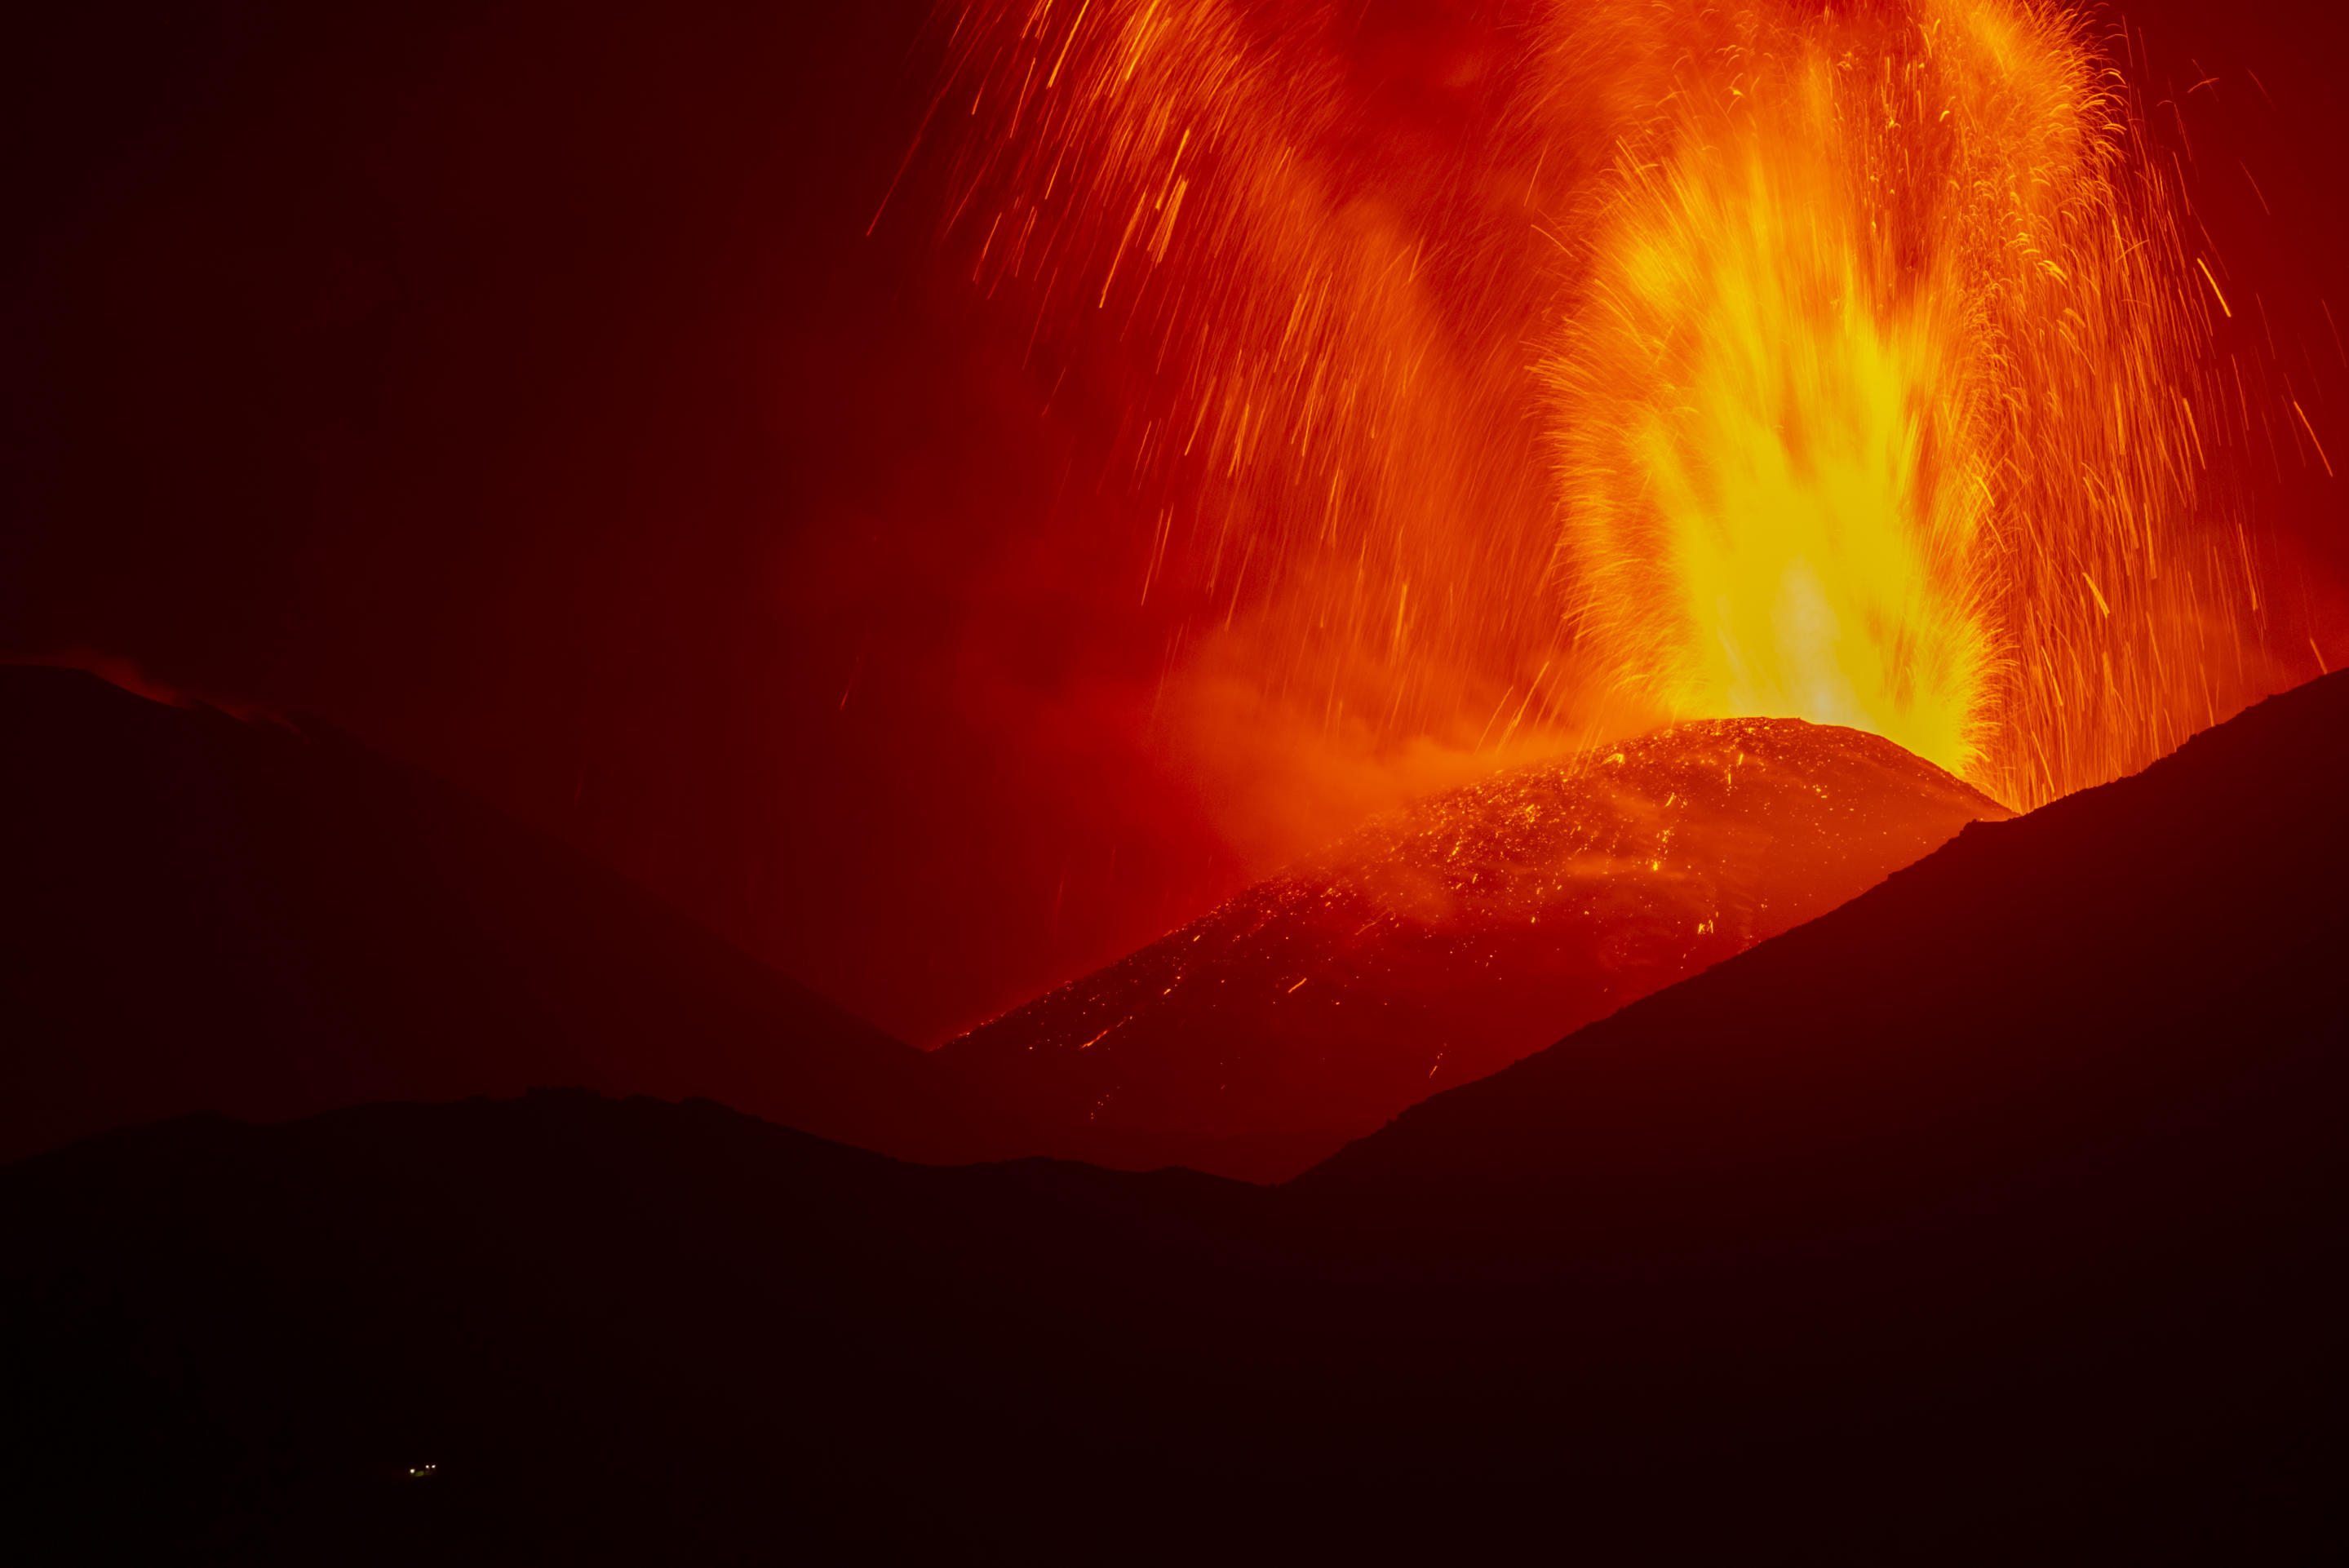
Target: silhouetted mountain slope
<point x="2132" y="952"/>
<point x="1453" y="938"/>
<point x="268" y="921"/>
<point x="208" y="913"/>
<point x="1997" y="1217"/>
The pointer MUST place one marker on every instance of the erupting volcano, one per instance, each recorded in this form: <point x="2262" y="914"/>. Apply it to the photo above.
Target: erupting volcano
<point x="1494" y="389"/>
<point x="1574" y="731"/>
<point x="1447" y="942"/>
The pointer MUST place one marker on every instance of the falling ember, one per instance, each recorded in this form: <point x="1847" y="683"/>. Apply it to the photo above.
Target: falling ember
<point x="1643" y="361"/>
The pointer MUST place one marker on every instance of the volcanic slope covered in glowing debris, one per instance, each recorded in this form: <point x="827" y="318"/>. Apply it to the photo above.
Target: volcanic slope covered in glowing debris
<point x="1451" y="939"/>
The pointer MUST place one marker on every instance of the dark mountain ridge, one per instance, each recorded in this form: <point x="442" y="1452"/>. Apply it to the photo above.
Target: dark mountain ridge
<point x="268" y="919"/>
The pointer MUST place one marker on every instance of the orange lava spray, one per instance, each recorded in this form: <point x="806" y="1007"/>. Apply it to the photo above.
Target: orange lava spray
<point x="1632" y="361"/>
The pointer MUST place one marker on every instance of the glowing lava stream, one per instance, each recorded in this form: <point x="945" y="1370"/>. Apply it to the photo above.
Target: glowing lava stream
<point x="1865" y="360"/>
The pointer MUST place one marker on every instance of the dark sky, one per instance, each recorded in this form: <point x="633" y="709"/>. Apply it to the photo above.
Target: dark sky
<point x="517" y="387"/>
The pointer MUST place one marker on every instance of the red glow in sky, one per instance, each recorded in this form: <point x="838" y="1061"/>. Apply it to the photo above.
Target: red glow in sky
<point x="520" y="387"/>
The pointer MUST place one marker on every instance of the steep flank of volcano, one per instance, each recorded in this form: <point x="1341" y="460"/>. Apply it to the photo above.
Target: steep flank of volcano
<point x="2138" y="959"/>
<point x="1442" y="944"/>
<point x="205" y="914"/>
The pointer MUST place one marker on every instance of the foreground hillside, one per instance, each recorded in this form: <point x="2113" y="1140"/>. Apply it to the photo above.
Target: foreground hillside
<point x="1996" y="1216"/>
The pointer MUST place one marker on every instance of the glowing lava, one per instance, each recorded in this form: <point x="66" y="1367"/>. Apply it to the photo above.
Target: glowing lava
<point x="1493" y="369"/>
<point x="1874" y="406"/>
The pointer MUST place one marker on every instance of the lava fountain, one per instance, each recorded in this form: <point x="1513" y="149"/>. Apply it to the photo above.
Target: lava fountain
<point x="1488" y="370"/>
<point x="1878" y="410"/>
